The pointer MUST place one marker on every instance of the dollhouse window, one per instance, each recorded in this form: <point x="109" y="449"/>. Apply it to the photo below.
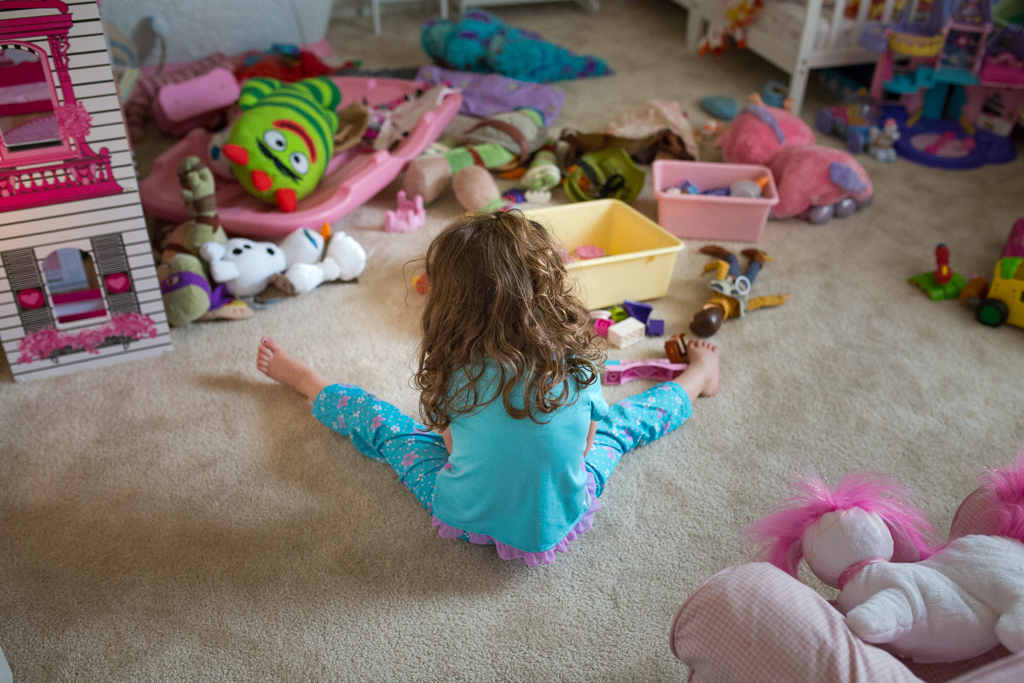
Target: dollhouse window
<point x="28" y="101"/>
<point x="73" y="285"/>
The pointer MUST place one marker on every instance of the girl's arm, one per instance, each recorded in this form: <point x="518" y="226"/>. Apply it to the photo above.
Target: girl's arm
<point x="590" y="437"/>
<point x="447" y="436"/>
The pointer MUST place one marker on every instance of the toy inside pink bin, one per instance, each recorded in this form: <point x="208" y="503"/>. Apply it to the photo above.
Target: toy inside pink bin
<point x="353" y="176"/>
<point x="707" y="216"/>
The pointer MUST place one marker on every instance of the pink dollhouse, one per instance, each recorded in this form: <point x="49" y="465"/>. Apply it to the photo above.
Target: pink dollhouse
<point x="78" y="285"/>
<point x="962" y="85"/>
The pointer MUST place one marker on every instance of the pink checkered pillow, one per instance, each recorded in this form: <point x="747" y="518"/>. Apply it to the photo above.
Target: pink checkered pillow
<point x="754" y="623"/>
<point x="976" y="515"/>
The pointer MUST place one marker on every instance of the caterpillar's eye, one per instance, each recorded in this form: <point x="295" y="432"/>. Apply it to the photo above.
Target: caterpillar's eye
<point x="299" y="162"/>
<point x="275" y="140"/>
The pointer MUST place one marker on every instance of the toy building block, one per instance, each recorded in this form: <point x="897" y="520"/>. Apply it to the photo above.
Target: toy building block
<point x="638" y="310"/>
<point x="655" y="327"/>
<point x="625" y="333"/>
<point x="409" y="216"/>
<point x="618" y="313"/>
<point x="602" y="325"/>
<point x="661" y="369"/>
<point x="675" y="349"/>
<point x="421" y="284"/>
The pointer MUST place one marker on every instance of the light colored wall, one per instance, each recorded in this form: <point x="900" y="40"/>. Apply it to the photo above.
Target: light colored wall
<point x="197" y="28"/>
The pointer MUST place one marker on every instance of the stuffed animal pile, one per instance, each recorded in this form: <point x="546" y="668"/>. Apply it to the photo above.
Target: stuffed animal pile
<point x="205" y="276"/>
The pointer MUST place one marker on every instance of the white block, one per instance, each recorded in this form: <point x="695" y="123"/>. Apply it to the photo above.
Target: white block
<point x="625" y="333"/>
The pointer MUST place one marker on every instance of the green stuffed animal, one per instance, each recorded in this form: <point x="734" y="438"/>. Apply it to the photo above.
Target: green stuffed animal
<point x="185" y="289"/>
<point x="197" y="191"/>
<point x="184" y="283"/>
<point x="280" y="145"/>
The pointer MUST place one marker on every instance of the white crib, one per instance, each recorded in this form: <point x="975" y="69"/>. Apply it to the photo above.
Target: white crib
<point x="820" y="42"/>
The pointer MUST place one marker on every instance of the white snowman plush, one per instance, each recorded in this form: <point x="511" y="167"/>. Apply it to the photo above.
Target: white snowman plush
<point x="244" y="266"/>
<point x="344" y="260"/>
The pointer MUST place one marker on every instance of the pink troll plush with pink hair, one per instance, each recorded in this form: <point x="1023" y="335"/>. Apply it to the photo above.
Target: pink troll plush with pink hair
<point x="930" y="604"/>
<point x="816" y="183"/>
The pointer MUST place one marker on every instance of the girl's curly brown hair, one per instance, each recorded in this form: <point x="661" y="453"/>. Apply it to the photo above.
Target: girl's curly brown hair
<point x="498" y="293"/>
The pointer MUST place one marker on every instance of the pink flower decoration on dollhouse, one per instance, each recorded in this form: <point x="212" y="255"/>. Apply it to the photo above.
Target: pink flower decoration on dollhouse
<point x="74" y="120"/>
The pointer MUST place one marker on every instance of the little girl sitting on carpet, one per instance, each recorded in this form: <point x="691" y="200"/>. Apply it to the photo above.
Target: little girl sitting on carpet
<point x="508" y="375"/>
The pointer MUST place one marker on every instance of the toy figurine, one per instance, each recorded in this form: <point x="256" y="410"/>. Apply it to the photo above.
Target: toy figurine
<point x="881" y="142"/>
<point x="942" y="283"/>
<point x="731" y="290"/>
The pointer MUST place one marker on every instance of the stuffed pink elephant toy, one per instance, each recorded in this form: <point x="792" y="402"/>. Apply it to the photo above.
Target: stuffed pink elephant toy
<point x="817" y="183"/>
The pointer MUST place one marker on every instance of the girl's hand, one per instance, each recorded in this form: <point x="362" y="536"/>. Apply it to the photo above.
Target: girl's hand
<point x="447" y="436"/>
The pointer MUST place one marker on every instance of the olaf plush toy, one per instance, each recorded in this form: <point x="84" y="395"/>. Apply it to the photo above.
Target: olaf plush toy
<point x="309" y="265"/>
<point x="245" y="267"/>
<point x="932" y="605"/>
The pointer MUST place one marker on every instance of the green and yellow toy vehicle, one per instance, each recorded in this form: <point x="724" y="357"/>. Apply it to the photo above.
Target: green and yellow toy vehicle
<point x="1002" y="301"/>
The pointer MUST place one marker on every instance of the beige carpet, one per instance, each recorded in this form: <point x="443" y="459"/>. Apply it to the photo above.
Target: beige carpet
<point x="183" y="519"/>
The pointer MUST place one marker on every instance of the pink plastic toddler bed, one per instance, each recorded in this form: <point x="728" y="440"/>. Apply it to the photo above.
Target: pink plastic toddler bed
<point x="353" y="175"/>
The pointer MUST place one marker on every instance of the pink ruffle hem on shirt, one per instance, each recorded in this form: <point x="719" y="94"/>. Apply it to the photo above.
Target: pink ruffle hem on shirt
<point x="508" y="552"/>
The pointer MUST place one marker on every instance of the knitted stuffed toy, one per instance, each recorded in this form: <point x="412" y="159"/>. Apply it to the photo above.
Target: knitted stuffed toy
<point x="502" y="141"/>
<point x="280" y="145"/>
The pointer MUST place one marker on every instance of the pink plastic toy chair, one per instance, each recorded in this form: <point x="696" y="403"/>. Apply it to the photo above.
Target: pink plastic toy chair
<point x="353" y="176"/>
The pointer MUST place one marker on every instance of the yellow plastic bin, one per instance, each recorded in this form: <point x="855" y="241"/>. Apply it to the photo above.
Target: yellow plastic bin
<point x="639" y="254"/>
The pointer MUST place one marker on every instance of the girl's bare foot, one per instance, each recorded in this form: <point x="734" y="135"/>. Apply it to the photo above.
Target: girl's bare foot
<point x="701" y="375"/>
<point x="275" y="363"/>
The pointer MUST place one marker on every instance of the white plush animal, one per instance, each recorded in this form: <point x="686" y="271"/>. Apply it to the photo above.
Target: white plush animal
<point x="244" y="266"/>
<point x="345" y="259"/>
<point x="957" y="604"/>
<point x="864" y="538"/>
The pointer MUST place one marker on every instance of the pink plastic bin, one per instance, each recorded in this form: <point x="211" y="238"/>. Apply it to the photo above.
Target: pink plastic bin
<point x="353" y="176"/>
<point x="706" y="217"/>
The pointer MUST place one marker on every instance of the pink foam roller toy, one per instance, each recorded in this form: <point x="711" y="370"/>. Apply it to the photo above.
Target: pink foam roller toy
<point x="215" y="90"/>
<point x="353" y="175"/>
<point x="661" y="369"/>
<point x="409" y="216"/>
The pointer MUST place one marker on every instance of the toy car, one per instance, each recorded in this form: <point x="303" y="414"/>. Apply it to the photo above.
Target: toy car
<point x="850" y="121"/>
<point x="1003" y="303"/>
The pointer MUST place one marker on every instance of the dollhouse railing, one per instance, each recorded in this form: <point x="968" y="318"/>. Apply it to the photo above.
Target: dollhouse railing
<point x="69" y="180"/>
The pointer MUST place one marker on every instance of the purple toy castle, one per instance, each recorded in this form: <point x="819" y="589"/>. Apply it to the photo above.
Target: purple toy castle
<point x="962" y="85"/>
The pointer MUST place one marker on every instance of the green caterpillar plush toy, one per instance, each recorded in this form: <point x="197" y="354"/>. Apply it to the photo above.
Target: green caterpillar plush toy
<point x="280" y="145"/>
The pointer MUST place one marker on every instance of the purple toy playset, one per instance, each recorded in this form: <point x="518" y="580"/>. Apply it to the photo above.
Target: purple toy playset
<point x="961" y="84"/>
